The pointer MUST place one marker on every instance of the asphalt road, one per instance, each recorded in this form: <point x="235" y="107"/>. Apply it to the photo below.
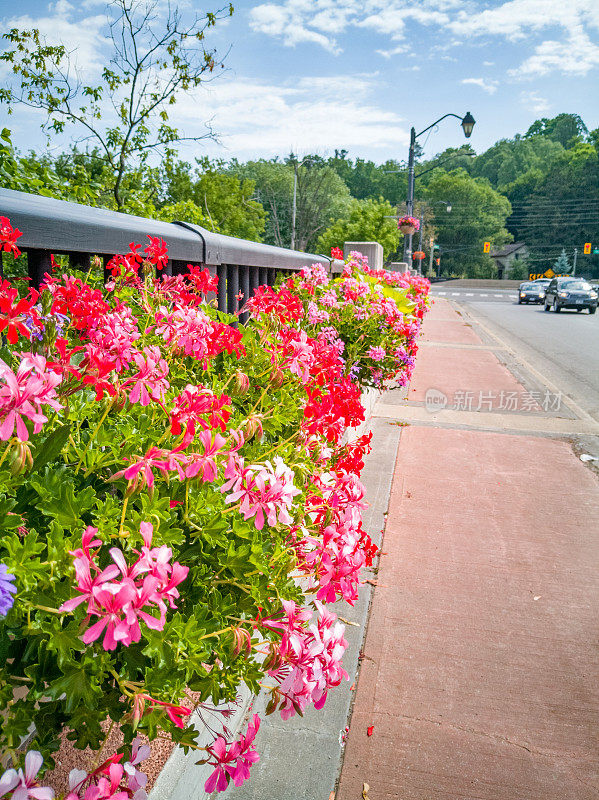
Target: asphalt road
<point x="471" y="295"/>
<point x="563" y="347"/>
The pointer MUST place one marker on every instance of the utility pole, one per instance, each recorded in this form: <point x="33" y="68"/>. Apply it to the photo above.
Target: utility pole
<point x="407" y="242"/>
<point x="431" y="258"/>
<point x="293" y="212"/>
<point x="296" y="165"/>
<point x="574" y="261"/>
<point x="420" y="241"/>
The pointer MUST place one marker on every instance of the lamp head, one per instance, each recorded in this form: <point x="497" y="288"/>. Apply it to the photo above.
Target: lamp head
<point x="468" y="124"/>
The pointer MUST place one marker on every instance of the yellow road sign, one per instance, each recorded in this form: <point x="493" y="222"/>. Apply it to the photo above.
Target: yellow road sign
<point x="487" y="247"/>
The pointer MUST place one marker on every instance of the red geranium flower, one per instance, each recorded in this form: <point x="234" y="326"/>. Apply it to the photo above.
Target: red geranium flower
<point x="8" y="237"/>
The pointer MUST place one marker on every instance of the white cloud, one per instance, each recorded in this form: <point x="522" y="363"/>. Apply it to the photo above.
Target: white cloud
<point x="262" y="119"/>
<point x="60" y="26"/>
<point x="486" y="85"/>
<point x="576" y="56"/>
<point x="401" y="48"/>
<point x="283" y="22"/>
<point x="534" y="102"/>
<point x="322" y="22"/>
<point x="296" y="21"/>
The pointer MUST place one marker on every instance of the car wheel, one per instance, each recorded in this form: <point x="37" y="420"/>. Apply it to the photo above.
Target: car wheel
<point x="592" y="309"/>
<point x="578" y="310"/>
<point x="519" y="301"/>
<point x="555" y="307"/>
<point x="546" y="307"/>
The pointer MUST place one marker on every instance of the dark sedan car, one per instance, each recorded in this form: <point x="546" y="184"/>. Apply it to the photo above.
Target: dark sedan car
<point x="531" y="292"/>
<point x="570" y="293"/>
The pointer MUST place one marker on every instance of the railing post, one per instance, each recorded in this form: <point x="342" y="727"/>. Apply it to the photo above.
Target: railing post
<point x="232" y="288"/>
<point x="167" y="270"/>
<point x="80" y="261"/>
<point x="244" y="287"/>
<point x="178" y="267"/>
<point x="254" y="280"/>
<point x="222" y="272"/>
<point x="38" y="263"/>
<point x="107" y="275"/>
<point x="263" y="276"/>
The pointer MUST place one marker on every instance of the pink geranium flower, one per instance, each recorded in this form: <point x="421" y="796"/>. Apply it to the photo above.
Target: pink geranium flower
<point x="232" y="762"/>
<point x="140" y="472"/>
<point x="149" y="382"/>
<point x="265" y="491"/>
<point x="148" y="584"/>
<point x="23" y="394"/>
<point x="204" y="464"/>
<point x="22" y="784"/>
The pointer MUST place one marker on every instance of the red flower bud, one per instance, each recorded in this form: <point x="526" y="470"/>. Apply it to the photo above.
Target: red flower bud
<point x="242" y="382"/>
<point x="253" y="426"/>
<point x="277" y="378"/>
<point x="20" y="458"/>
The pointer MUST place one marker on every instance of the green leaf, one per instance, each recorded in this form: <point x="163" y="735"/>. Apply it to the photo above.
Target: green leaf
<point x="9" y="521"/>
<point x="51" y="446"/>
<point x="67" y="509"/>
<point x="64" y="641"/>
<point x="79" y="686"/>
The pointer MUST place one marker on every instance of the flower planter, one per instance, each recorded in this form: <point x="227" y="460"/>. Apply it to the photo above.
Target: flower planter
<point x="407" y="230"/>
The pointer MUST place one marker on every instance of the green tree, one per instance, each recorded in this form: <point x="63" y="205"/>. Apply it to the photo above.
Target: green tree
<point x="366" y="221"/>
<point x="321" y="196"/>
<point x="565" y="129"/>
<point x="152" y="58"/>
<point x="39" y="175"/>
<point x="224" y="200"/>
<point x="478" y="214"/>
<point x="507" y="160"/>
<point x="562" y="264"/>
<point x="561" y="211"/>
<point x="274" y="190"/>
<point x="367" y="179"/>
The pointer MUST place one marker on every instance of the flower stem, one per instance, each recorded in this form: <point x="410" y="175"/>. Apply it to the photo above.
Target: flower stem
<point x="120" y="536"/>
<point x="94" y="434"/>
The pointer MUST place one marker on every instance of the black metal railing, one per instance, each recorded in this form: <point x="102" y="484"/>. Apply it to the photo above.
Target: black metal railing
<point x="80" y="232"/>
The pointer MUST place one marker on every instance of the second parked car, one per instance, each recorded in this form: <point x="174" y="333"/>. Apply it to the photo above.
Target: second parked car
<point x="568" y="292"/>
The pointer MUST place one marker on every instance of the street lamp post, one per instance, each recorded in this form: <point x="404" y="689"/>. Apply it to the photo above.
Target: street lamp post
<point x="467" y="123"/>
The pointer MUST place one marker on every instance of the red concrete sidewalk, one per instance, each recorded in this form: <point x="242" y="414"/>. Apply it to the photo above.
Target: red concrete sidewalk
<point x="480" y="672"/>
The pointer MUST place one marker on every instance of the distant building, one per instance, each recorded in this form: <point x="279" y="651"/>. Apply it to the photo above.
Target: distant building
<point x="508" y="255"/>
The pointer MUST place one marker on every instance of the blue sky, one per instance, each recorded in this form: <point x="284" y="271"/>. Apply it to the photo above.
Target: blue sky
<point x="315" y="75"/>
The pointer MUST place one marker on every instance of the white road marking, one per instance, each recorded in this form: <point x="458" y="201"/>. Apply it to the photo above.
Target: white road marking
<point x="469" y="294"/>
<point x="441" y="292"/>
<point x="497" y="295"/>
<point x="484" y="295"/>
<point x="455" y="294"/>
<point x="513" y="296"/>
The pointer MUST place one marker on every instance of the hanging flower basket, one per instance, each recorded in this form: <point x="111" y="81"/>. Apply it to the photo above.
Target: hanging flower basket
<point x="408" y="225"/>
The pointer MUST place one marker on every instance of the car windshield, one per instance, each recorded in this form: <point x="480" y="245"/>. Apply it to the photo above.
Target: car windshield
<point x="543" y="281"/>
<point x="528" y="286"/>
<point x="574" y="286"/>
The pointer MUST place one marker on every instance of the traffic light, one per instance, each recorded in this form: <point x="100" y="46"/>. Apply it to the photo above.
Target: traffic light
<point x="487" y="247"/>
<point x="437" y="261"/>
<point x="587" y="248"/>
